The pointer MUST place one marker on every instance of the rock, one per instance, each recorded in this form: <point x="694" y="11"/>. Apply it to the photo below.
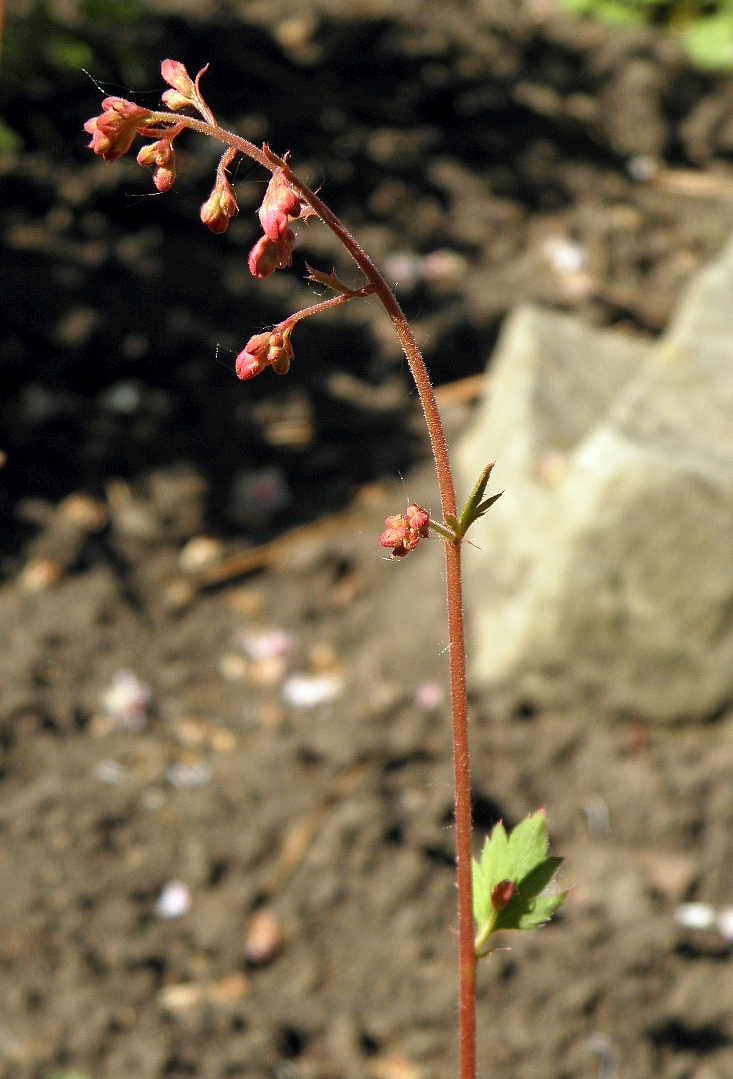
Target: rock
<point x="606" y="569"/>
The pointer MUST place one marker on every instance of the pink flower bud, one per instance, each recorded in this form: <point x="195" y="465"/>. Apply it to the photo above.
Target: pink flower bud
<point x="175" y="74"/>
<point x="163" y="177"/>
<point x="280" y="206"/>
<point x="250" y="362"/>
<point x="405" y="530"/>
<point x="162" y="157"/>
<point x="272" y="347"/>
<point x="113" y="132"/>
<point x="268" y="255"/>
<point x="174" y="101"/>
<point x="220" y="206"/>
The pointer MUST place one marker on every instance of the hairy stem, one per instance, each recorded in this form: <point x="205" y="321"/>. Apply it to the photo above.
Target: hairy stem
<point x="459" y="704"/>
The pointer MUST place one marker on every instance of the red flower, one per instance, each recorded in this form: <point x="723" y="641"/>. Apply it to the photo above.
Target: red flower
<point x="162" y="157"/>
<point x="280" y="206"/>
<point x="264" y="349"/>
<point x="112" y="132"/>
<point x="405" y="530"/>
<point x="220" y="206"/>
<point x="268" y="255"/>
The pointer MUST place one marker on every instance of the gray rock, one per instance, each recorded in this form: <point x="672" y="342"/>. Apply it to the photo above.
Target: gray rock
<point x="606" y="569"/>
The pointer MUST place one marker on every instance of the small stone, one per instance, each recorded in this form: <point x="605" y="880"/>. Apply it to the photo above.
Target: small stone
<point x="565" y="256"/>
<point x="308" y="691"/>
<point x="199" y="553"/>
<point x="429" y="696"/>
<point x="264" y="644"/>
<point x="88" y="514"/>
<point x="245" y="601"/>
<point x="193" y="774"/>
<point x="268" y="671"/>
<point x="233" y="667"/>
<point x="174" y="901"/>
<point x="642" y="167"/>
<point x="393" y="1067"/>
<point x="111" y="772"/>
<point x="179" y="998"/>
<point x="178" y="595"/>
<point x="233" y="987"/>
<point x="695" y="916"/>
<point x="264" y="937"/>
<point x="126" y="702"/>
<point x="40" y="574"/>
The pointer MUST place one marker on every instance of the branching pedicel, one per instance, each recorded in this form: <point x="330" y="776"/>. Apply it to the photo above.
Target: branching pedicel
<point x="507" y="889"/>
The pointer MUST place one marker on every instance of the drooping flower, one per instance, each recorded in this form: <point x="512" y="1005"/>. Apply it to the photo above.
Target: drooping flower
<point x="405" y="530"/>
<point x="272" y="348"/>
<point x="280" y="206"/>
<point x="114" y="130"/>
<point x="268" y="255"/>
<point x="162" y="157"/>
<point x="221" y="204"/>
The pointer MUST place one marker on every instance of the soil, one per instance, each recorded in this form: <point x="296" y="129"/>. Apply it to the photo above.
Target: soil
<point x="297" y="783"/>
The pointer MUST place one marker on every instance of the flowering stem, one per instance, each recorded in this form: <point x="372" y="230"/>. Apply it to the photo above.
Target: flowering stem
<point x="459" y="704"/>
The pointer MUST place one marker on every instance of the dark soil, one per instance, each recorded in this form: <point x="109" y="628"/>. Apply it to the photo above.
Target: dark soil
<point x="505" y="152"/>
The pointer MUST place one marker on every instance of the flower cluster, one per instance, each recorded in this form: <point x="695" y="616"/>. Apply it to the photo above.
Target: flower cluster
<point x="405" y="530"/>
<point x="114" y="130"/>
<point x="280" y="206"/>
<point x="272" y="349"/>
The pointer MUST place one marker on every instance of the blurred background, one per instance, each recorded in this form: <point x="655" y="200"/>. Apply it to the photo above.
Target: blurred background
<point x="166" y="778"/>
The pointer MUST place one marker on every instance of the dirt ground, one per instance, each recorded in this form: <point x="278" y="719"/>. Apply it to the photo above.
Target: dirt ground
<point x="225" y="783"/>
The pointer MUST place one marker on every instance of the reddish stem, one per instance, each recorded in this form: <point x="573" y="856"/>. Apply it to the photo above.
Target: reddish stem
<point x="457" y="664"/>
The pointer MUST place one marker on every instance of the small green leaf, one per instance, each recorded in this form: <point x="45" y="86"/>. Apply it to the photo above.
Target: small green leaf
<point x="520" y="859"/>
